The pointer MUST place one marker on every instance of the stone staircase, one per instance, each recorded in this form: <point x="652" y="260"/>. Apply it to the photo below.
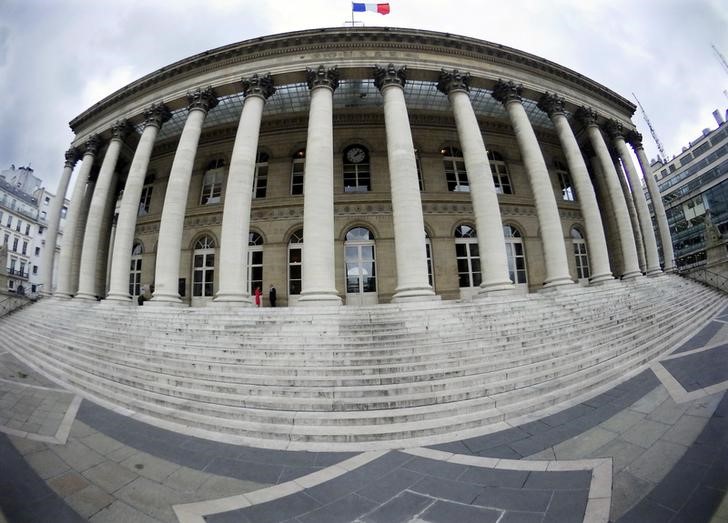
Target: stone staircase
<point x="335" y="377"/>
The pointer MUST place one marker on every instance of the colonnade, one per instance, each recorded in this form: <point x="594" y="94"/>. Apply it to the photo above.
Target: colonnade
<point x="318" y="280"/>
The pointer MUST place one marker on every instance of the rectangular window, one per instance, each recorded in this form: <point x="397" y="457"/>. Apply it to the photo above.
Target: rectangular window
<point x="260" y="184"/>
<point x="211" y="189"/>
<point x="15" y="244"/>
<point x="27" y="229"/>
<point x="567" y="190"/>
<point x="10" y="220"/>
<point x="37" y="251"/>
<point x="35" y="269"/>
<point x="18" y="225"/>
<point x="297" y="176"/>
<point x="64" y="211"/>
<point x="25" y="248"/>
<point x="145" y="200"/>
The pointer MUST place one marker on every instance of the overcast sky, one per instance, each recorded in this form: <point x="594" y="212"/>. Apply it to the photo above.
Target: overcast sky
<point x="58" y="57"/>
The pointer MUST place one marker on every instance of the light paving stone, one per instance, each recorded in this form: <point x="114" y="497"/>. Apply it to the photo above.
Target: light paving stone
<point x="121" y="453"/>
<point x="627" y="491"/>
<point x="623" y="421"/>
<point x="110" y="476"/>
<point x="668" y="412"/>
<point x="80" y="430"/>
<point x="27" y="446"/>
<point x="651" y="400"/>
<point x="47" y="464"/>
<point x="77" y="455"/>
<point x="150" y="466"/>
<point x="704" y="407"/>
<point x="186" y="480"/>
<point x="546" y="454"/>
<point x="645" y="434"/>
<point x="584" y="444"/>
<point x="68" y="483"/>
<point x="120" y="512"/>
<point x="151" y="498"/>
<point x="221" y="486"/>
<point x="685" y="430"/>
<point x="101" y="443"/>
<point x="657" y="461"/>
<point x="89" y="501"/>
<point x="622" y="453"/>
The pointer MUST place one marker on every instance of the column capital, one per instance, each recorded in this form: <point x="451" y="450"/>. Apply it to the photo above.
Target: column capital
<point x="92" y="145"/>
<point x="156" y="114"/>
<point x="322" y="77"/>
<point x="71" y="157"/>
<point x="203" y="99"/>
<point x="634" y="138"/>
<point x="390" y="75"/>
<point x="453" y="81"/>
<point x="258" y="85"/>
<point x="119" y="129"/>
<point x="506" y="92"/>
<point x="587" y="116"/>
<point x="552" y="104"/>
<point x="614" y="129"/>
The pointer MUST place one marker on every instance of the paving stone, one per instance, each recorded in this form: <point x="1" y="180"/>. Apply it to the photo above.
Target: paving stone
<point x="149" y="466"/>
<point x="446" y="489"/>
<point x="80" y="429"/>
<point x="646" y="433"/>
<point x="514" y="499"/>
<point x="717" y="475"/>
<point x="676" y="488"/>
<point x="390" y="485"/>
<point x="506" y="452"/>
<point x="120" y="512"/>
<point x="110" y="476"/>
<point x="649" y="512"/>
<point x="685" y="430"/>
<point x="668" y="412"/>
<point x="219" y="486"/>
<point x="513" y="516"/>
<point x="583" y="444"/>
<point x="89" y="501"/>
<point x="547" y="455"/>
<point x="447" y="512"/>
<point x="244" y="470"/>
<point x="701" y="338"/>
<point x="622" y="453"/>
<point x="291" y="473"/>
<point x="650" y="401"/>
<point x="496" y="439"/>
<point x="657" y="461"/>
<point x="704" y="407"/>
<point x="623" y="421"/>
<point x="567" y="507"/>
<point x="27" y="446"/>
<point x="559" y="480"/>
<point x="348" y="508"/>
<point x="701" y="506"/>
<point x="47" y="464"/>
<point x="101" y="443"/>
<point x="187" y="480"/>
<point x="272" y="512"/>
<point x="151" y="498"/>
<point x="403" y="507"/>
<point x="433" y="467"/>
<point x="121" y="453"/>
<point x="68" y="483"/>
<point x="77" y="455"/>
<point x="486" y="477"/>
<point x="627" y="490"/>
<point x="566" y="415"/>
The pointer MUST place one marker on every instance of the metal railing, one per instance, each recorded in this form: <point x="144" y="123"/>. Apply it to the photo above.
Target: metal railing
<point x="706" y="276"/>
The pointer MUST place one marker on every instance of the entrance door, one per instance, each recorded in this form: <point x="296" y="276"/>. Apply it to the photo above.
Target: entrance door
<point x="361" y="276"/>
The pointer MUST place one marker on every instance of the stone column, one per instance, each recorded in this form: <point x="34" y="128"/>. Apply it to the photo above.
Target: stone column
<point x="233" y="287"/>
<point x="175" y="199"/>
<point x="619" y="206"/>
<point x="318" y="260"/>
<point x="488" y="223"/>
<point x="96" y="214"/>
<point x="54" y="220"/>
<point x="554" y="106"/>
<point x="635" y="140"/>
<point x="552" y="233"/>
<point x="66" y="286"/>
<point x="624" y="184"/>
<point x="123" y="243"/>
<point x="409" y="225"/>
<point x="652" y="258"/>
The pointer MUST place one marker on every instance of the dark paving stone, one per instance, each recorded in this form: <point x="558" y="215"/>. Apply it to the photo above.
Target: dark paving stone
<point x="701" y="338"/>
<point x="326" y="459"/>
<point x="700" y="370"/>
<point x="701" y="454"/>
<point x="678" y="485"/>
<point x="275" y="511"/>
<point x="717" y="476"/>
<point x="535" y="427"/>
<point x="456" y="447"/>
<point x="701" y="507"/>
<point x="344" y="509"/>
<point x="502" y="452"/>
<point x="275" y="457"/>
<point x="433" y="467"/>
<point x="647" y="511"/>
<point x="446" y="489"/>
<point x="567" y="415"/>
<point x="515" y="499"/>
<point x="401" y="508"/>
<point x="291" y="473"/>
<point x="244" y="470"/>
<point x="445" y="512"/>
<point x="495" y="440"/>
<point x="390" y="485"/>
<point x="521" y="517"/>
<point x="559" y="480"/>
<point x="567" y="507"/>
<point x="494" y="477"/>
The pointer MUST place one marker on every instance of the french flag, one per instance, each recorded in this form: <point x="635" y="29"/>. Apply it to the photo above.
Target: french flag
<point x="382" y="9"/>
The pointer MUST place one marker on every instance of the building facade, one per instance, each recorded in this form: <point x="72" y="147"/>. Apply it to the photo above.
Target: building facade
<point x="353" y="166"/>
<point x="694" y="190"/>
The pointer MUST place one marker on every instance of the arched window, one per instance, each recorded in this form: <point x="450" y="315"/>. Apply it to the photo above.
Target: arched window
<point x="295" y="248"/>
<point x="203" y="266"/>
<point x="357" y="176"/>
<point x="297" y="168"/>
<point x="580" y="254"/>
<point x="567" y="188"/>
<point x="468" y="256"/>
<point x="515" y="255"/>
<point x="255" y="262"/>
<point x="501" y="176"/>
<point x="135" y="271"/>
<point x="260" y="182"/>
<point x="361" y="274"/>
<point x="455" y="173"/>
<point x="212" y="182"/>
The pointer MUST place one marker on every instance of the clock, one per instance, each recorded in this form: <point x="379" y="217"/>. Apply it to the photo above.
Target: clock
<point x="356" y="154"/>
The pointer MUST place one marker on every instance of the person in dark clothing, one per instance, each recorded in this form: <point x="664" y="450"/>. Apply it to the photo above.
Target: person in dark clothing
<point x="272" y="296"/>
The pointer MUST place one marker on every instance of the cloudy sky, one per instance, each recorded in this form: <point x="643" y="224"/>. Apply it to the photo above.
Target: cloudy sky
<point x="58" y="57"/>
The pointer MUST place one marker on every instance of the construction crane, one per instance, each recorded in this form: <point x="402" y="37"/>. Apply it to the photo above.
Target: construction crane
<point x="652" y="129"/>
<point x="721" y="58"/>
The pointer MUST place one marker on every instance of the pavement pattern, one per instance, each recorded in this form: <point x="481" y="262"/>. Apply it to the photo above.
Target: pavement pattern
<point x="654" y="448"/>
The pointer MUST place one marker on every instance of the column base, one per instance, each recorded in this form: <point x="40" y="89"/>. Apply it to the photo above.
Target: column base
<point x="319" y="298"/>
<point x="414" y="294"/>
<point x="631" y="275"/>
<point x="117" y="300"/>
<point x="651" y="273"/>
<point x="499" y="288"/>
<point x="231" y="300"/>
<point x="62" y="295"/>
<point x="165" y="301"/>
<point x="602" y="279"/>
<point x="85" y="296"/>
<point x="557" y="282"/>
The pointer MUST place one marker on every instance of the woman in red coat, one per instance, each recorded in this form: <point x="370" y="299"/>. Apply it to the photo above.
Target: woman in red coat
<point x="257" y="296"/>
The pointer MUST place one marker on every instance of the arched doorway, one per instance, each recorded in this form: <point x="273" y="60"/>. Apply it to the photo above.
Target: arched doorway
<point x="361" y="274"/>
<point x="203" y="271"/>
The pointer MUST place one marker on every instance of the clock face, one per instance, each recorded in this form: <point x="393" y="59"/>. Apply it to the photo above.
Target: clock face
<point x="356" y="155"/>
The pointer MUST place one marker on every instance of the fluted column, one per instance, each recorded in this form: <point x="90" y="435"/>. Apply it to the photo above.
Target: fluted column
<point x="233" y="287"/>
<point x="624" y="184"/>
<point x="552" y="233"/>
<point x="96" y="213"/>
<point x="175" y="199"/>
<point x="619" y="206"/>
<point x="554" y="106"/>
<point x="66" y="287"/>
<point x="635" y="140"/>
<point x="409" y="226"/>
<point x="54" y="220"/>
<point x="318" y="262"/>
<point x="652" y="257"/>
<point x="123" y="243"/>
<point x="488" y="223"/>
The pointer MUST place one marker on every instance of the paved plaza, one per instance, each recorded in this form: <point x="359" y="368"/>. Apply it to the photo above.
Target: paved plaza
<point x="652" y="448"/>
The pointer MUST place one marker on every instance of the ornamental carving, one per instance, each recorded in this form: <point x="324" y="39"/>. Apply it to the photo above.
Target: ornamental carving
<point x="259" y="85"/>
<point x="587" y="116"/>
<point x="119" y="129"/>
<point x="92" y="144"/>
<point x="204" y="99"/>
<point x="634" y="138"/>
<point x="614" y="129"/>
<point x="552" y="104"/>
<point x="389" y="75"/>
<point x="322" y="77"/>
<point x="71" y="157"/>
<point x="453" y="81"/>
<point x="508" y="91"/>
<point x="156" y="115"/>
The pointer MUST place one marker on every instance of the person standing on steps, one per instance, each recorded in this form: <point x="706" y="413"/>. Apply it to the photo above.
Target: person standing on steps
<point x="272" y="296"/>
<point x="257" y="296"/>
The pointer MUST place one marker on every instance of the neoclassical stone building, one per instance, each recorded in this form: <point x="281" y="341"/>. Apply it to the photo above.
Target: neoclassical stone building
<point x="354" y="166"/>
